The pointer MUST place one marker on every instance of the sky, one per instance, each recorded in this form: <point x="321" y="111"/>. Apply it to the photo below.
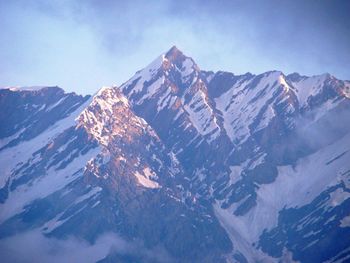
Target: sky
<point x="82" y="45"/>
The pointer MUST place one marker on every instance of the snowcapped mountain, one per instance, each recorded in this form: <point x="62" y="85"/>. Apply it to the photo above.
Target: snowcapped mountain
<point x="179" y="165"/>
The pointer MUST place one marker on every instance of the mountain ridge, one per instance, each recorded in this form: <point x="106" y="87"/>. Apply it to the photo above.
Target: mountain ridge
<point x="187" y="160"/>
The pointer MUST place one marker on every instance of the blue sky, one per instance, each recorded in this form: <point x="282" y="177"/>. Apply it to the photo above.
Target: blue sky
<point x="81" y="45"/>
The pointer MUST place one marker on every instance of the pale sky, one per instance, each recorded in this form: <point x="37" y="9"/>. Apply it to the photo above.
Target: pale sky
<point x="81" y="45"/>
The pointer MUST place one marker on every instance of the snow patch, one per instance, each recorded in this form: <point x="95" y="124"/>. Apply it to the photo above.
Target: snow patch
<point x="308" y="86"/>
<point x="202" y="116"/>
<point x="235" y="174"/>
<point x="145" y="178"/>
<point x="345" y="222"/>
<point x="238" y="110"/>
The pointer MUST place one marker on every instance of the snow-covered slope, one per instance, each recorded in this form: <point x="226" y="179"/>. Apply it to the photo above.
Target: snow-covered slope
<point x="183" y="165"/>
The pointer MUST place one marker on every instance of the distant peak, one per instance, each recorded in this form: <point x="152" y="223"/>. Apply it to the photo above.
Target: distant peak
<point x="173" y="51"/>
<point x="174" y="54"/>
<point x="34" y="89"/>
<point x="177" y="57"/>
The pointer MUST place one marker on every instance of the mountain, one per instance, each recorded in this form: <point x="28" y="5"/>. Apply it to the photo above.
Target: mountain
<point x="178" y="165"/>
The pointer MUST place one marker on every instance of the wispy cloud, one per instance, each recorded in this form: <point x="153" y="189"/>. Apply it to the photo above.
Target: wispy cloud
<point x="32" y="246"/>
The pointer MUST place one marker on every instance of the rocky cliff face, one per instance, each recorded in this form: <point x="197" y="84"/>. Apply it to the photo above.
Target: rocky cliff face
<point x="183" y="165"/>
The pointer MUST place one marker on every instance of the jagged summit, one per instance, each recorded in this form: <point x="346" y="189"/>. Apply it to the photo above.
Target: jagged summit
<point x="171" y="72"/>
<point x="173" y="59"/>
<point x="175" y="55"/>
<point x="173" y="51"/>
<point x="179" y="59"/>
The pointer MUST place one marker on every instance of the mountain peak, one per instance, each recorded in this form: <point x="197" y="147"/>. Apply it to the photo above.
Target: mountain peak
<point x="173" y="52"/>
<point x="180" y="60"/>
<point x="33" y="88"/>
<point x="176" y="56"/>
